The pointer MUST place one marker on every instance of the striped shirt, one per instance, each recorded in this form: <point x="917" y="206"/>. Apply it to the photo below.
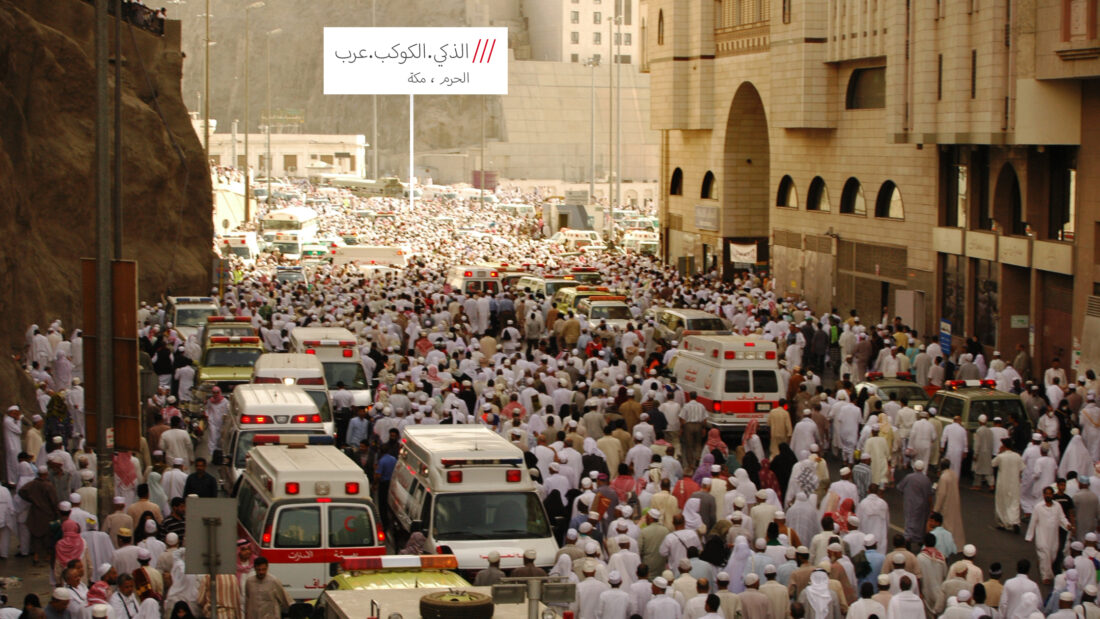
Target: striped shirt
<point x="693" y="412"/>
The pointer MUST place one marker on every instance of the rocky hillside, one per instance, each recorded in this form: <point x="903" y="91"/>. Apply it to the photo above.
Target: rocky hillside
<point x="47" y="147"/>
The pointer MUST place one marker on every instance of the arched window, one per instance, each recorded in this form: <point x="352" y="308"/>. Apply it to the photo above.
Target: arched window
<point x="888" y="204"/>
<point x="851" y="199"/>
<point x="661" y="27"/>
<point x="676" y="185"/>
<point x="707" y="192"/>
<point x="787" y="195"/>
<point x="818" y="197"/>
<point x="867" y="89"/>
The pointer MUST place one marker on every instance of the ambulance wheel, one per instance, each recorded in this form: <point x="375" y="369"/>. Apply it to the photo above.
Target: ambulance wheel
<point x="456" y="605"/>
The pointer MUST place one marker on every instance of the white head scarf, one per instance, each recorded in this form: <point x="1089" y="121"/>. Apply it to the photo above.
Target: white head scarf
<point x="818" y="595"/>
<point x="692" y="519"/>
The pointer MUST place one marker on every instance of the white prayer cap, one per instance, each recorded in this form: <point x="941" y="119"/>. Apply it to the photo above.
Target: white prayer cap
<point x="918" y="465"/>
<point x="638" y="436"/>
<point x="119" y="500"/>
<point x="1090" y="590"/>
<point x="982" y="418"/>
<point x="805" y="412"/>
<point x="802" y="550"/>
<point x="626" y="510"/>
<point x="761" y="543"/>
<point x="13" y="408"/>
<point x="43" y="470"/>
<point x="722" y="577"/>
<point x="150" y="526"/>
<point x="684" y="564"/>
<point x="65" y="506"/>
<point x="736" y="516"/>
<point x="1077" y="546"/>
<point x="61" y="594"/>
<point x="529" y="553"/>
<point x="963" y="595"/>
<point x="706" y="481"/>
<point x="1090" y="537"/>
<point x="789" y="552"/>
<point x="761" y="494"/>
<point x="814" y="448"/>
<point x="780" y="515"/>
<point x="739" y="501"/>
<point x="571" y="534"/>
<point x="36" y="418"/>
<point x="100" y="611"/>
<point x="1065" y="596"/>
<point x="660" y="582"/>
<point x="172" y="539"/>
<point x="592" y="547"/>
<point x="654" y="513"/>
<point x="869" y="540"/>
<point x="74" y="499"/>
<point x="57" y="440"/>
<point x="614" y="577"/>
<point x="585" y="527"/>
<point x="714" y="468"/>
<point x="1035" y="436"/>
<point x="769" y="569"/>
<point x="751" y="578"/>
<point x="845" y="471"/>
<point x="87" y="474"/>
<point x="853" y="521"/>
<point x="835" y="547"/>
<point x="884" y="579"/>
<point x="593" y="515"/>
<point x="970" y="550"/>
<point x="899" y="559"/>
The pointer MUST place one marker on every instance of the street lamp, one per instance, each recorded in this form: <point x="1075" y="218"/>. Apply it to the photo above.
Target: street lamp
<point x="267" y="125"/>
<point x="247" y="126"/>
<point x="592" y="62"/>
<point x="206" y="85"/>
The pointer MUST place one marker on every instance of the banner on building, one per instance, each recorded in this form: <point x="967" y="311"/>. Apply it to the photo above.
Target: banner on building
<point x="742" y="253"/>
<point x="416" y="61"/>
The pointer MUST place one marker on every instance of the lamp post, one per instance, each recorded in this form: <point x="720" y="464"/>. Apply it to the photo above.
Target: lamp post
<point x="592" y="62"/>
<point x="374" y="114"/>
<point x="619" y="102"/>
<point x="206" y="86"/>
<point x="267" y="125"/>
<point x="247" y="126"/>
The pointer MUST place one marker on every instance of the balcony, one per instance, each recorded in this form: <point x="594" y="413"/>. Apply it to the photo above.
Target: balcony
<point x="742" y="27"/>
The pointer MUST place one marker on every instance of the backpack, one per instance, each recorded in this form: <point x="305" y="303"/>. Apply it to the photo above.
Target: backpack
<point x="862" y="565"/>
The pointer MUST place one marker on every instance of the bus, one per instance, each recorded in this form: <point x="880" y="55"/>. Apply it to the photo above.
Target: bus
<point x="298" y="219"/>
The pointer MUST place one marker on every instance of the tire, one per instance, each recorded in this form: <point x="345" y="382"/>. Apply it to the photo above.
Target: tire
<point x="456" y="605"/>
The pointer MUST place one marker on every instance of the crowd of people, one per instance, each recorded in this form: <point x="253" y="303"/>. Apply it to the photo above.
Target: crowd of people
<point x="656" y="515"/>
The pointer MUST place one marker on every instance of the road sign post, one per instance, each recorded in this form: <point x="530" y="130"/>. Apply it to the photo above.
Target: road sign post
<point x="211" y="534"/>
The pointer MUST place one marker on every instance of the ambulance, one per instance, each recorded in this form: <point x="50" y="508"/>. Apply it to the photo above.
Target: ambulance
<point x="637" y="241"/>
<point x="289" y="244"/>
<point x="305" y="371"/>
<point x="338" y="351"/>
<point x="241" y="244"/>
<point x="565" y="299"/>
<point x="571" y="239"/>
<point x="262" y="409"/>
<point x="735" y="377"/>
<point x="609" y="309"/>
<point x="469" y="489"/>
<point x="306" y="507"/>
<point x="469" y="279"/>
<point x="391" y="256"/>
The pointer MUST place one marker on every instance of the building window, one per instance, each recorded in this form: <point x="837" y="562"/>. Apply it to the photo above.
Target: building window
<point x="867" y="89"/>
<point x="574" y="17"/>
<point x="953" y="298"/>
<point x="818" y="197"/>
<point x="574" y="38"/>
<point x="661" y="27"/>
<point x="574" y="58"/>
<point x="1008" y="208"/>
<point x="888" y="204"/>
<point x="596" y="38"/>
<point x="597" y="17"/>
<point x="676" y="184"/>
<point x="986" y="310"/>
<point x="786" y="11"/>
<point x="618" y="39"/>
<point x="707" y="192"/>
<point x="787" y="196"/>
<point x="973" y="73"/>
<point x="623" y="59"/>
<point x="939" y="78"/>
<point x="626" y="38"/>
<point x="1063" y="192"/>
<point x="954" y="179"/>
<point x="851" y="199"/>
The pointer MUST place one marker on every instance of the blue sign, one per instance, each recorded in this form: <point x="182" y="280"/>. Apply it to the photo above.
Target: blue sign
<point x="945" y="337"/>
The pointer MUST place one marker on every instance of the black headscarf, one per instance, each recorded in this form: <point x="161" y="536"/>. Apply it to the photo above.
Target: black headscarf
<point x="751" y="464"/>
<point x="782" y="465"/>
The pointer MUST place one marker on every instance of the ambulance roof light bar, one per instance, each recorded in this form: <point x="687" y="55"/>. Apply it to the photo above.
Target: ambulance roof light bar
<point x="293" y="439"/>
<point x="389" y="562"/>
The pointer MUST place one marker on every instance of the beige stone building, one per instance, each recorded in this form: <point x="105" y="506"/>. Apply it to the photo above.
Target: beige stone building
<point x="932" y="158"/>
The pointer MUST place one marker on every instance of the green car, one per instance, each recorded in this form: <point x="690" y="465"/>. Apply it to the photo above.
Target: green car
<point x="900" y="386"/>
<point x="969" y="399"/>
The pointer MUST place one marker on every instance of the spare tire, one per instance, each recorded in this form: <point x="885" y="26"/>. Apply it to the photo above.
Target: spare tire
<point x="456" y="605"/>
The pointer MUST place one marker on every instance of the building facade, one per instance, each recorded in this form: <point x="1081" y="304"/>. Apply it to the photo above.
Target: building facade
<point x="577" y="30"/>
<point x="913" y="159"/>
<point x="294" y="155"/>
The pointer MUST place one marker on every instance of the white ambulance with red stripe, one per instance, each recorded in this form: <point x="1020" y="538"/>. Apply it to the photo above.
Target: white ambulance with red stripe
<point x="306" y="507"/>
<point x="735" y="377"/>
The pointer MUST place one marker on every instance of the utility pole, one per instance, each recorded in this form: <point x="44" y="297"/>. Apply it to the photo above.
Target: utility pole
<point x="247" y="126"/>
<point x="592" y="63"/>
<point x="610" y="131"/>
<point x="206" y="89"/>
<point x="619" y="101"/>
<point x="482" y="183"/>
<point x="116" y="197"/>
<point x="104" y="325"/>
<point x="267" y="124"/>
<point x="374" y="112"/>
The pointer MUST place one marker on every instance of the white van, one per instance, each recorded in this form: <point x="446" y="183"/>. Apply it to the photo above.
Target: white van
<point x="240" y="244"/>
<point x="338" y="351"/>
<point x="641" y="242"/>
<point x="571" y="239"/>
<point x="261" y="409"/>
<point x="469" y="279"/>
<point x="392" y="256"/>
<point x="305" y="507"/>
<point x="470" y="490"/>
<point x="735" y="377"/>
<point x="298" y="369"/>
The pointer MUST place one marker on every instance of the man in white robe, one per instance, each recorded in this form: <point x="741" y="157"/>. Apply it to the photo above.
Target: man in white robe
<point x="846" y="418"/>
<point x="921" y="437"/>
<point x="1046" y="519"/>
<point x="1010" y="467"/>
<point x="874" y="513"/>
<point x="953" y="441"/>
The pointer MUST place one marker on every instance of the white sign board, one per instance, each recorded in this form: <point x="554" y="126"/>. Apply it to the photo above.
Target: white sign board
<point x="706" y="217"/>
<point x="416" y="61"/>
<point x="576" y="197"/>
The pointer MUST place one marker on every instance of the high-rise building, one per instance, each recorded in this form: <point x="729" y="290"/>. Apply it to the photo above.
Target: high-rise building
<point x="932" y="160"/>
<point x="575" y="30"/>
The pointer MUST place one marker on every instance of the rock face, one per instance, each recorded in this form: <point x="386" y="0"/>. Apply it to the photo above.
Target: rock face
<point x="47" y="184"/>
